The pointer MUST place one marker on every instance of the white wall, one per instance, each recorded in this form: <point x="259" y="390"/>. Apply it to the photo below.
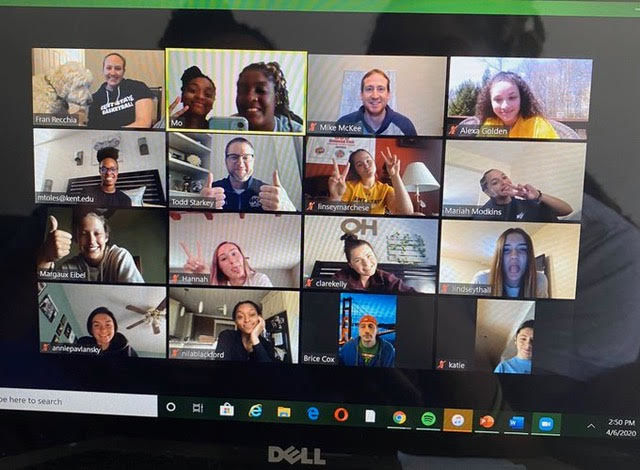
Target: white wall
<point x="322" y="238"/>
<point x="271" y="243"/>
<point x="496" y="324"/>
<point x="561" y="248"/>
<point x="55" y="150"/>
<point x="271" y="153"/>
<point x="467" y="245"/>
<point x="419" y="92"/>
<point x="555" y="168"/>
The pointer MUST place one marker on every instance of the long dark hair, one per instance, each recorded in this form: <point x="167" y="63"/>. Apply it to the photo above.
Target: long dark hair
<point x="528" y="284"/>
<point x="529" y="104"/>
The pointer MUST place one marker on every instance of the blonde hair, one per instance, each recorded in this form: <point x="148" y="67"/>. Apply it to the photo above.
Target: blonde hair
<point x="218" y="278"/>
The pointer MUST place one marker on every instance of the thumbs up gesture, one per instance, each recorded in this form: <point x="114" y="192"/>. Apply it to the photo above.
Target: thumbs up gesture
<point x="273" y="197"/>
<point x="57" y="245"/>
<point x="216" y="193"/>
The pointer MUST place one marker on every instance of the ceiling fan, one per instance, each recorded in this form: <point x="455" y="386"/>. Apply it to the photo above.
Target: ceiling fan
<point x="152" y="316"/>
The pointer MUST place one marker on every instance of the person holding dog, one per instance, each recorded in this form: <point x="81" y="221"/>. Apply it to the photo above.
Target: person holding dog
<point x="120" y="102"/>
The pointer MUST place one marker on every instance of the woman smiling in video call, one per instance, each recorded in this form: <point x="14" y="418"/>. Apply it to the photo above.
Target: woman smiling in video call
<point x="197" y="98"/>
<point x="246" y="342"/>
<point x="362" y="272"/>
<point x="358" y="183"/>
<point x="229" y="266"/>
<point x="262" y="98"/>
<point x="507" y="100"/>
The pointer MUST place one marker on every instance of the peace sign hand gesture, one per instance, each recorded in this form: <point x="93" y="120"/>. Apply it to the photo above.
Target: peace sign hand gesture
<point x="194" y="264"/>
<point x="338" y="181"/>
<point x="178" y="113"/>
<point x="392" y="163"/>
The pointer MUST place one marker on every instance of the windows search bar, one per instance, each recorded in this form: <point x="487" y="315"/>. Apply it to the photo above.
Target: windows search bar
<point x="67" y="401"/>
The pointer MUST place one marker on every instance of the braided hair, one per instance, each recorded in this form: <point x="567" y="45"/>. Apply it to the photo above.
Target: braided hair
<point x="274" y="74"/>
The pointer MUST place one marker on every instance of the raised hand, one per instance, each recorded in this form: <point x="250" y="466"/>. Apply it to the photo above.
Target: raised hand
<point x="526" y="191"/>
<point x="194" y="264"/>
<point x="338" y="181"/>
<point x="392" y="162"/>
<point x="257" y="331"/>
<point x="178" y="113"/>
<point x="216" y="193"/>
<point x="56" y="246"/>
<point x="273" y="197"/>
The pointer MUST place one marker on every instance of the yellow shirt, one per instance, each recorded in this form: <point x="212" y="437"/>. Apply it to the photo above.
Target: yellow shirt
<point x="376" y="196"/>
<point x="535" y="127"/>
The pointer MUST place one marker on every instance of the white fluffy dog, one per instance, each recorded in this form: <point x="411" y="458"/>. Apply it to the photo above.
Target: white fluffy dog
<point x="53" y="92"/>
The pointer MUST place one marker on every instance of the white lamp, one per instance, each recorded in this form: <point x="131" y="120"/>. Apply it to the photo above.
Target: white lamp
<point x="417" y="177"/>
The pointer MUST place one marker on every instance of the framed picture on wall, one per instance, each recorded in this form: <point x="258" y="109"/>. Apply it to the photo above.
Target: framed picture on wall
<point x="48" y="308"/>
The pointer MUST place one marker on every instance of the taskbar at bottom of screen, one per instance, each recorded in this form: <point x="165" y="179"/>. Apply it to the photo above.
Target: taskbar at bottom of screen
<point x="401" y="418"/>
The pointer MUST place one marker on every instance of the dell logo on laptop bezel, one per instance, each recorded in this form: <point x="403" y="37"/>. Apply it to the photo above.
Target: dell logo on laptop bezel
<point x="292" y="456"/>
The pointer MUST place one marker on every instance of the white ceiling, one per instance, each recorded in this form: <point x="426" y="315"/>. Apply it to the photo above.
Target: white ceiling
<point x="214" y="298"/>
<point x="85" y="298"/>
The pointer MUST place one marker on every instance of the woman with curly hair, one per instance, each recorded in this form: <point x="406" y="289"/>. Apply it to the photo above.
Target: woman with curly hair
<point x="506" y="100"/>
<point x="263" y="99"/>
<point x="513" y="269"/>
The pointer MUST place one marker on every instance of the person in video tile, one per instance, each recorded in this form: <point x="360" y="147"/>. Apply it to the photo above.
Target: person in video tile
<point x="263" y="100"/>
<point x="521" y="362"/>
<point x="513" y="269"/>
<point x="120" y="102"/>
<point x="107" y="195"/>
<point x="368" y="349"/>
<point x="507" y="100"/>
<point x="246" y="342"/>
<point x="229" y="266"/>
<point x="375" y="115"/>
<point x="240" y="191"/>
<point x="362" y="272"/>
<point x="198" y="96"/>
<point x="358" y="183"/>
<point x="99" y="261"/>
<point x="103" y="328"/>
<point x="520" y="202"/>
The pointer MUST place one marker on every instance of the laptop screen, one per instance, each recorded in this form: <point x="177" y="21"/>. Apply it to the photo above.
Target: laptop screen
<point x="390" y="218"/>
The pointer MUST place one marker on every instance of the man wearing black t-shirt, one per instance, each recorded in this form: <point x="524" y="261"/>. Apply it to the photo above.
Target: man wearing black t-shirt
<point x="517" y="202"/>
<point x="106" y="195"/>
<point x="120" y="102"/>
